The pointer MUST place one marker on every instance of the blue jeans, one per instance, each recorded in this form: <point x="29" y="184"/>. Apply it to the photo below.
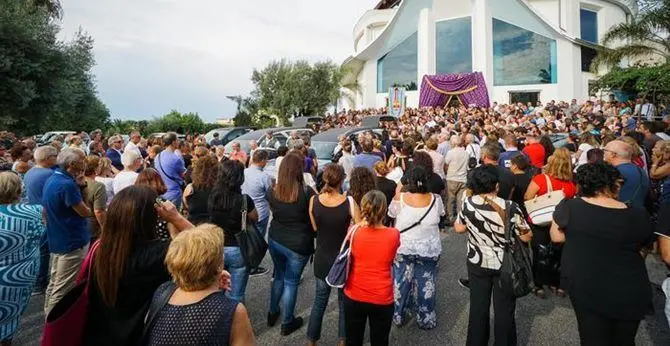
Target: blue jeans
<point x="43" y="275"/>
<point x="234" y="264"/>
<point x="320" y="303"/>
<point x="288" y="267"/>
<point x="262" y="225"/>
<point x="414" y="284"/>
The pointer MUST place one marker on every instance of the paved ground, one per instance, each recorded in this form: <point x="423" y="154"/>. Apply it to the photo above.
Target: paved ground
<point x="539" y="322"/>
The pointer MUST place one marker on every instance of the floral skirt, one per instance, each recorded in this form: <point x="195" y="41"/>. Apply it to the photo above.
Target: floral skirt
<point x="414" y="290"/>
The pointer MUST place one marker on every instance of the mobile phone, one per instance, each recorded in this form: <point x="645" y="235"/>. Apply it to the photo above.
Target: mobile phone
<point x="160" y="201"/>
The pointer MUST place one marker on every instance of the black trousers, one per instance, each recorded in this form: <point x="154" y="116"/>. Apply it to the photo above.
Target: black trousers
<point x="483" y="282"/>
<point x="596" y="329"/>
<point x="545" y="268"/>
<point x="356" y="316"/>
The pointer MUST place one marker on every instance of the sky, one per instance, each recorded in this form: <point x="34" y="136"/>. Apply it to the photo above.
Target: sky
<point x="157" y="55"/>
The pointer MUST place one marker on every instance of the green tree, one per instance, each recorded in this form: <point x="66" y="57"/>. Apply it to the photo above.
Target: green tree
<point x="52" y="7"/>
<point x="45" y="84"/>
<point x="298" y="88"/>
<point x="247" y="107"/>
<point x="644" y="36"/>
<point x="183" y="123"/>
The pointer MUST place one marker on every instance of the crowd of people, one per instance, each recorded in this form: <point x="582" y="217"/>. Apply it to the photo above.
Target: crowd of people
<point x="160" y="220"/>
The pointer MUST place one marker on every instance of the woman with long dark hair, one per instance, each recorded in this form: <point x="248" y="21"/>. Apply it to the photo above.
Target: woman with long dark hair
<point x="128" y="266"/>
<point x="225" y="207"/>
<point x="196" y="194"/>
<point x="151" y="178"/>
<point x="291" y="240"/>
<point x="362" y="181"/>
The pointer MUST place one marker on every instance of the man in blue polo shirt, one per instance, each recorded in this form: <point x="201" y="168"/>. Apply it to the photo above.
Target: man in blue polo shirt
<point x="366" y="158"/>
<point x="636" y="182"/>
<point x="34" y="180"/>
<point x="67" y="229"/>
<point x="171" y="168"/>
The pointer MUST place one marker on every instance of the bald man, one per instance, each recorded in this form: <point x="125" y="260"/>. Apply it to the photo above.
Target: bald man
<point x="636" y="182"/>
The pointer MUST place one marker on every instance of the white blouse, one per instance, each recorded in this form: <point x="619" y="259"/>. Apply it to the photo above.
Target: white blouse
<point x="424" y="239"/>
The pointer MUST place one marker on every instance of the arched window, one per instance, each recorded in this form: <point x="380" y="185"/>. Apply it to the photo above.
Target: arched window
<point x="453" y="45"/>
<point x="521" y="56"/>
<point x="399" y="66"/>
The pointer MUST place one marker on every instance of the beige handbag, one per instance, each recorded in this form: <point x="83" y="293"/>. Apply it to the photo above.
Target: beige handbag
<point x="541" y="208"/>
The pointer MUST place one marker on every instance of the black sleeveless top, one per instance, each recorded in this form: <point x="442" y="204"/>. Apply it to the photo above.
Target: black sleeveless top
<point x="197" y="206"/>
<point x="332" y="224"/>
<point x="207" y="322"/>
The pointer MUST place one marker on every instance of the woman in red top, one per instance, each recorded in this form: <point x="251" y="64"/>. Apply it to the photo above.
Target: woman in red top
<point x="547" y="255"/>
<point x="368" y="293"/>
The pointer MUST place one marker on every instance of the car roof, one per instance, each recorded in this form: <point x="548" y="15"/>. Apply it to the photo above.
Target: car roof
<point x="333" y="134"/>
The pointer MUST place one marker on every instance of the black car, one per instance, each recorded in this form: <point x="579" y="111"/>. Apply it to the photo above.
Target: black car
<point x="226" y="134"/>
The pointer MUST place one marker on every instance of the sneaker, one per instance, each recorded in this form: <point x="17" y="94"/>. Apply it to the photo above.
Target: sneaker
<point x="287" y="329"/>
<point x="258" y="271"/>
<point x="465" y="283"/>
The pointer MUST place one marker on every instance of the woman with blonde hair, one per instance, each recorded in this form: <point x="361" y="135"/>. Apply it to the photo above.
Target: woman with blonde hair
<point x="21" y="232"/>
<point x="106" y="177"/>
<point x="193" y="308"/>
<point x="638" y="158"/>
<point x="557" y="175"/>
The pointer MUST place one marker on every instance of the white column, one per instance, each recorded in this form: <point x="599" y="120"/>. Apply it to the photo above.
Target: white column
<point x="482" y="42"/>
<point x="425" y="44"/>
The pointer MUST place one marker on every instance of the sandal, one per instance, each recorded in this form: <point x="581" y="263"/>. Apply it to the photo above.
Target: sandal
<point x="560" y="293"/>
<point x="539" y="292"/>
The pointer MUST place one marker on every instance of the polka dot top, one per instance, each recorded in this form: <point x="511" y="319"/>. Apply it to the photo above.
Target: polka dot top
<point x="207" y="322"/>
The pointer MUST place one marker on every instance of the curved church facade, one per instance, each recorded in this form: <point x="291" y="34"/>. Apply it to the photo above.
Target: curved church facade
<point x="527" y="50"/>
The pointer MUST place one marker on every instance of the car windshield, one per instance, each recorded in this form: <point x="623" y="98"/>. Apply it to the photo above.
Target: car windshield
<point x="324" y="150"/>
<point x="210" y="135"/>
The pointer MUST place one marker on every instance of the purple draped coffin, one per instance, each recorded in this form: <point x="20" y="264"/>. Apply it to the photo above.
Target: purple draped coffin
<point x="470" y="88"/>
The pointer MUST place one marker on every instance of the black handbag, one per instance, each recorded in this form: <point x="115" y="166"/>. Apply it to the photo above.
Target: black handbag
<point x="252" y="245"/>
<point x="516" y="271"/>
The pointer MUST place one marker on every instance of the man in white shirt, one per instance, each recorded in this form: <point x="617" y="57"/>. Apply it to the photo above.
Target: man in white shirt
<point x="132" y="161"/>
<point x="135" y="139"/>
<point x="648" y="111"/>
<point x="456" y="166"/>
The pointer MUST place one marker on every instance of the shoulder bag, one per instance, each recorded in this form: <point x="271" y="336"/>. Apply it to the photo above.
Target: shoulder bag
<point x="154" y="308"/>
<point x="516" y="271"/>
<point x="66" y="322"/>
<point x="472" y="160"/>
<point x="432" y="203"/>
<point x="159" y="164"/>
<point x="339" y="271"/>
<point x="252" y="245"/>
<point x="541" y="208"/>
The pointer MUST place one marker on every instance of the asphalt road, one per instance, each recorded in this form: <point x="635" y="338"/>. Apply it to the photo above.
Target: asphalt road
<point x="539" y="322"/>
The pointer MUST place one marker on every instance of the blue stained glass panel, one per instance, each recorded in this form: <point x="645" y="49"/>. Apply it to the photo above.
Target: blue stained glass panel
<point x="454" y="45"/>
<point x="522" y="57"/>
<point x="399" y="66"/>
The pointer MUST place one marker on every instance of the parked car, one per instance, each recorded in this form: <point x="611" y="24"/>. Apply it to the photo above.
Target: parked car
<point x="227" y="134"/>
<point x="325" y="144"/>
<point x="50" y="136"/>
<point x="279" y="137"/>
